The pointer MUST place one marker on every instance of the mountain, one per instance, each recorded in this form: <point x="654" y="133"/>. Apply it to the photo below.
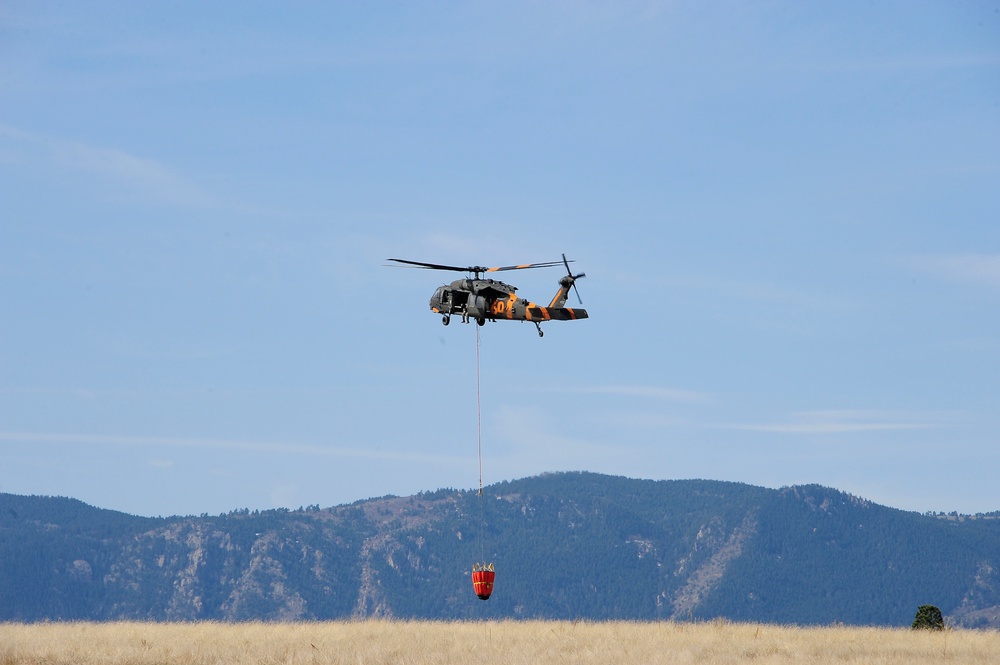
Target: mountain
<point x="566" y="546"/>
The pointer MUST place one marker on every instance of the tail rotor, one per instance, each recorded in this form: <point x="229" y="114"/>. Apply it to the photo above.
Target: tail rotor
<point x="572" y="278"/>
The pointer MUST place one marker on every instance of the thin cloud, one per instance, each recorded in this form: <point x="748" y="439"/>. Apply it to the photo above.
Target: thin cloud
<point x="827" y="428"/>
<point x="842" y="422"/>
<point x="143" y="178"/>
<point x="760" y="293"/>
<point x="646" y="392"/>
<point x="544" y="439"/>
<point x="305" y="450"/>
<point x="643" y="420"/>
<point x="126" y="175"/>
<point x="982" y="269"/>
<point x="895" y="65"/>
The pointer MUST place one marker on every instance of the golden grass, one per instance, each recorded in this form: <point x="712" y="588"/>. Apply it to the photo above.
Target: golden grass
<point x="485" y="643"/>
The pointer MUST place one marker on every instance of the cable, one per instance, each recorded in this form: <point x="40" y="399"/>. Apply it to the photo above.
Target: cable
<point x="479" y="415"/>
<point x="479" y="437"/>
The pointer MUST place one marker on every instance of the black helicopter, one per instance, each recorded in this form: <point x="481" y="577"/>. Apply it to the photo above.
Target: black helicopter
<point x="482" y="299"/>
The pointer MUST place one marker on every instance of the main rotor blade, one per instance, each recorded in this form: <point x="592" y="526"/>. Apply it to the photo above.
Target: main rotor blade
<point x="475" y="269"/>
<point x="436" y="266"/>
<point x="523" y="266"/>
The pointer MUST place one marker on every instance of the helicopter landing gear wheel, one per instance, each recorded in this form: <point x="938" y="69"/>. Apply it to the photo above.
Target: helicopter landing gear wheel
<point x="481" y="321"/>
<point x="539" y="326"/>
<point x="445" y="319"/>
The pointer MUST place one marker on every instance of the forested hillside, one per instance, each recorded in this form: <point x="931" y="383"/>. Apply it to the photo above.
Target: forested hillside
<point x="573" y="545"/>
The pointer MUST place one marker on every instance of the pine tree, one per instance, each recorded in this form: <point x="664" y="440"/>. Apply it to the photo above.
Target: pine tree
<point x="928" y="618"/>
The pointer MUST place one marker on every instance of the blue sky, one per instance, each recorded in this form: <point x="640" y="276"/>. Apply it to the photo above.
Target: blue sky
<point x="788" y="213"/>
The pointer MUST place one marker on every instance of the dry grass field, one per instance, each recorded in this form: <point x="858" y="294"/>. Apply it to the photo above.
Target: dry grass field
<point x="468" y="643"/>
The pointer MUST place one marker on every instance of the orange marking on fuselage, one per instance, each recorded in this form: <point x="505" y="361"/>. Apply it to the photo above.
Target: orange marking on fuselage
<point x="528" y="316"/>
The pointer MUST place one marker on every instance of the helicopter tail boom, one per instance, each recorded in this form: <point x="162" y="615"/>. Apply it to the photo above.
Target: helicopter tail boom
<point x="555" y="313"/>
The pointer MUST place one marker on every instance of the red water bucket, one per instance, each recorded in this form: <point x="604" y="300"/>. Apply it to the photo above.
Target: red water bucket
<point x="482" y="580"/>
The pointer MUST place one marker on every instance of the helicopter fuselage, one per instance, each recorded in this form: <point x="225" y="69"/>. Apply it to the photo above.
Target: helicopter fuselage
<point x="489" y="299"/>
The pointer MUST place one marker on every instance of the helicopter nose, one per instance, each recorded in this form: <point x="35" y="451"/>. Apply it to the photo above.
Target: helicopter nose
<point x="436" y="300"/>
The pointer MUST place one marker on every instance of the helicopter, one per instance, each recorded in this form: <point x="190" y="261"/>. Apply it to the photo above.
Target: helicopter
<point x="481" y="299"/>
